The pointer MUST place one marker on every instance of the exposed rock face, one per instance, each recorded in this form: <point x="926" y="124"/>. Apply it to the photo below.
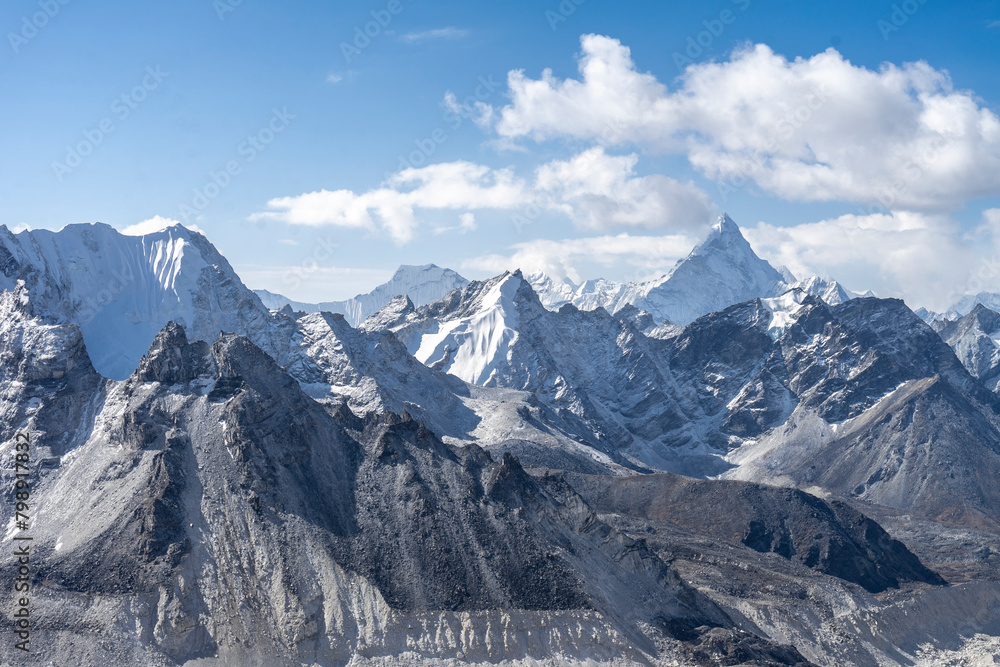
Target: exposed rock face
<point x="974" y="339"/>
<point x="215" y="507"/>
<point x="592" y="370"/>
<point x="927" y="448"/>
<point x="830" y="537"/>
<point x="304" y="492"/>
<point x="49" y="386"/>
<point x="688" y="399"/>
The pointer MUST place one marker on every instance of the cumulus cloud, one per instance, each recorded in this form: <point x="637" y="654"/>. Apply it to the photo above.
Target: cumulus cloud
<point x="920" y="258"/>
<point x="155" y="224"/>
<point x="596" y="190"/>
<point x="809" y="129"/>
<point x="600" y="191"/>
<point x="452" y="185"/>
<point x="562" y="258"/>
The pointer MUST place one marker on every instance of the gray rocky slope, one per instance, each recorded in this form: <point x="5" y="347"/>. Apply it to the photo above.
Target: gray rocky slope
<point x="829" y="537"/>
<point x="214" y="510"/>
<point x="974" y="338"/>
<point x="698" y="399"/>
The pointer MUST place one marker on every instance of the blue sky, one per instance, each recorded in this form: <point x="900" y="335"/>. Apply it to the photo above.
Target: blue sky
<point x="269" y="91"/>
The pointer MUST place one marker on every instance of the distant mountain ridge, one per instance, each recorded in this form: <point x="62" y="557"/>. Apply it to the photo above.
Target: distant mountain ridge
<point x="422" y="284"/>
<point x="721" y="271"/>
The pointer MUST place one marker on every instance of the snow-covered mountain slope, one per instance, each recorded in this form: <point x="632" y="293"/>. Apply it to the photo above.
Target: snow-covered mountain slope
<point x="212" y="511"/>
<point x="589" y="295"/>
<point x="422" y="284"/>
<point x="827" y="289"/>
<point x="966" y="304"/>
<point x="597" y="372"/>
<point x="227" y="502"/>
<point x="975" y="338"/>
<point x="680" y="398"/>
<point x="121" y="290"/>
<point x="722" y="271"/>
<point x="961" y="308"/>
<point x="371" y="372"/>
<point x="551" y="292"/>
<point x="837" y="361"/>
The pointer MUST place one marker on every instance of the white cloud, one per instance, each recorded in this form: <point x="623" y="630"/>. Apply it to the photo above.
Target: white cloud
<point x="563" y="258"/>
<point x="816" y="129"/>
<point x="595" y="190"/>
<point x="480" y="112"/>
<point x="155" y="224"/>
<point x="451" y="185"/>
<point x="920" y="258"/>
<point x="466" y="224"/>
<point x="334" y="77"/>
<point x="601" y="192"/>
<point x="427" y="35"/>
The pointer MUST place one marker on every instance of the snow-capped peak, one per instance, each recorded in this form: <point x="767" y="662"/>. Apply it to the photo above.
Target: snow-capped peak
<point x="828" y="289"/>
<point x="474" y="343"/>
<point x="726" y="235"/>
<point x="721" y="271"/>
<point x="121" y="290"/>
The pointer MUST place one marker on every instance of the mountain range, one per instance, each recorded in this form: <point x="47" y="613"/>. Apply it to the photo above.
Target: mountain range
<point x="722" y="466"/>
<point x="422" y="284"/>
